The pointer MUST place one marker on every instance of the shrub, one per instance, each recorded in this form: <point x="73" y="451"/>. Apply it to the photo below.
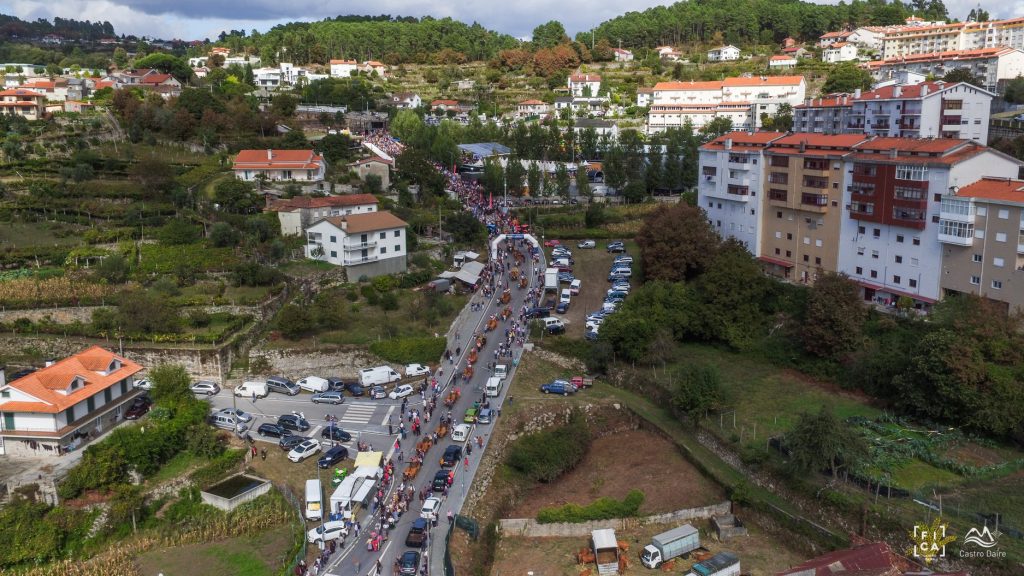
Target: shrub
<point x="546" y="455"/>
<point x="252" y="274"/>
<point x="294" y="321"/>
<point x="222" y="235"/>
<point x="384" y="283"/>
<point x="424" y="350"/>
<point x="216" y="470"/>
<point x="178" y="232"/>
<point x="413" y="279"/>
<point x="600" y="509"/>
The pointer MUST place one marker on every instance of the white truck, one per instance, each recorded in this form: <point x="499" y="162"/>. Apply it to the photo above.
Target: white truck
<point x="247" y="389"/>
<point x="378" y="375"/>
<point x="314" y="384"/>
<point x="314" y="500"/>
<point x="551" y="280"/>
<point x="493" y="387"/>
<point x="669" y="545"/>
<point x="501" y="371"/>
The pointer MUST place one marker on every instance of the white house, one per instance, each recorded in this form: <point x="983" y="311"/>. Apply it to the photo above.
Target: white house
<point x="531" y="108"/>
<point x="742" y="100"/>
<point x="781" y="62"/>
<point x="267" y="77"/>
<point x="67" y="403"/>
<point x="301" y="165"/>
<point x="839" y="52"/>
<point x="369" y="244"/>
<point x="584" y="84"/>
<point x="644" y="96"/>
<point x="298" y="213"/>
<point x="622" y="55"/>
<point x="724" y="54"/>
<point x="343" y="68"/>
<point x="600" y="127"/>
<point x="20" y="102"/>
<point x="242" y="60"/>
<point x="371" y="66"/>
<point x="407" y="100"/>
<point x="669" y="53"/>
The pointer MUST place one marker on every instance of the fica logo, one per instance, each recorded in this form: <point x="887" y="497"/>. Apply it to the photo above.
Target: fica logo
<point x="930" y="540"/>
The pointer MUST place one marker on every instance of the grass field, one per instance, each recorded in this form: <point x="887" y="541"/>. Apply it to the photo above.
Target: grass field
<point x="22" y="234"/>
<point x="262" y="555"/>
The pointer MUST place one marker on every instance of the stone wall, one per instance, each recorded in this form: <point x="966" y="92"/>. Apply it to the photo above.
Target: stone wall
<point x="336" y="361"/>
<point x="530" y="528"/>
<point x="83" y="314"/>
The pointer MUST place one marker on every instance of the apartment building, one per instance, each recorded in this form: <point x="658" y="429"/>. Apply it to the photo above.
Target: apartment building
<point x="743" y="100"/>
<point x="370" y="244"/>
<point x="893" y="188"/>
<point x="802" y="213"/>
<point x="905" y="41"/>
<point x="731" y="184"/>
<point x="981" y="231"/>
<point x="992" y="65"/>
<point x="926" y="110"/>
<point x="828" y="115"/>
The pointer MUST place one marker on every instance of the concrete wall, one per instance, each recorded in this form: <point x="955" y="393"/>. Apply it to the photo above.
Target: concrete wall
<point x="229" y="504"/>
<point x="377" y="268"/>
<point x="531" y="528"/>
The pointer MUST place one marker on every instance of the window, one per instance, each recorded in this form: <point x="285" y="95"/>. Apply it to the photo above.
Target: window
<point x="817" y="260"/>
<point x="90" y="403"/>
<point x="860" y="230"/>
<point x="976" y="280"/>
<point x="914" y="262"/>
<point x="777" y="252"/>
<point x="398" y="233"/>
<point x="876" y="233"/>
<point x="997" y="284"/>
<point x="807" y="241"/>
<point x="789" y="253"/>
<point x="916" y="173"/>
<point x="1000" y="236"/>
<point x="709" y="170"/>
<point x="107" y="396"/>
<point x="778" y="178"/>
<point x="817" y="243"/>
<point x="398" y="248"/>
<point x="780" y="161"/>
<point x="789" y="236"/>
<point x="899" y="238"/>
<point x="807" y="258"/>
<point x="334" y="239"/>
<point x="69" y="415"/>
<point x="874" y="273"/>
<point x="982" y="211"/>
<point x="815" y="164"/>
<point x="976" y="258"/>
<point x="896" y="279"/>
<point x="998" y="262"/>
<point x="899" y="259"/>
<point x="860" y="251"/>
<point x="815" y="182"/>
<point x="908" y="193"/>
<point x="711" y="204"/>
<point x="383" y="249"/>
<point x="383" y="235"/>
<point x="777" y="214"/>
<point x="778" y="235"/>
<point x="979" y="234"/>
<point x="860" y="271"/>
<point x="874" y="254"/>
<point x="5" y="394"/>
<point x="334" y="254"/>
<point x="917" y="241"/>
<point x="777" y="195"/>
<point x="1004" y="214"/>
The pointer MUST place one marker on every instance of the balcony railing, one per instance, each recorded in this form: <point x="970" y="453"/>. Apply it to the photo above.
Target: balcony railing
<point x="361" y="245"/>
<point x="778" y="195"/>
<point x="956" y="239"/>
<point x="363" y="260"/>
<point x="819" y="200"/>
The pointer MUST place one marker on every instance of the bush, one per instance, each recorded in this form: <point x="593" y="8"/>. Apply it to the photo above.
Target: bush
<point x="414" y="279"/>
<point x="425" y="350"/>
<point x="546" y="455"/>
<point x="177" y="233"/>
<point x="252" y="274"/>
<point x="222" y="235"/>
<point x="600" y="509"/>
<point x="384" y="283"/>
<point x="294" y="322"/>
<point x="216" y="470"/>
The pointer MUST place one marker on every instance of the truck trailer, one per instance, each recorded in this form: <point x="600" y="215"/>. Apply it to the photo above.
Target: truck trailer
<point x="669" y="545"/>
<point x="551" y="280"/>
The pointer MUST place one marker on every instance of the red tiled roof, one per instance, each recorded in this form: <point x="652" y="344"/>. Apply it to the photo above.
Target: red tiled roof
<point x="834" y="35"/>
<point x="155" y="79"/>
<point x="367" y="222"/>
<point x="999" y="189"/>
<point x="278" y="159"/>
<point x="837" y="45"/>
<point x="912" y="145"/>
<point x="621" y="51"/>
<point x="821" y="140"/>
<point x="741" y="137"/>
<point x="906" y="92"/>
<point x="300" y="202"/>
<point x="47" y="385"/>
<point x="40" y="84"/>
<point x="370" y="159"/>
<point x="21" y="92"/>
<point x="584" y="78"/>
<point x="763" y="81"/>
<point x="711" y="85"/>
<point x="780" y="57"/>
<point x="867" y="559"/>
<point x="353" y="62"/>
<point x="830" y="101"/>
<point x="948" y="55"/>
<point x="531" y="103"/>
<point x="373" y="63"/>
<point x="445" y="103"/>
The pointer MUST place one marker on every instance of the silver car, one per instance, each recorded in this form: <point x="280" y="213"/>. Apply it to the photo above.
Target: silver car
<point x="238" y="413"/>
<point x="205" y="387"/>
<point x="328" y="397"/>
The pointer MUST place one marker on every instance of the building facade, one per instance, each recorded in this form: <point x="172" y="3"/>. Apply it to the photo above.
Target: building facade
<point x="839" y="52"/>
<point x="724" y="54"/>
<point x="829" y="115"/>
<point x="584" y="84"/>
<point x="66" y="404"/>
<point x="991" y="65"/>
<point x="28" y="104"/>
<point x="344" y="68"/>
<point x="273" y="165"/>
<point x="742" y="100"/>
<point x="369" y="244"/>
<point x="298" y="213"/>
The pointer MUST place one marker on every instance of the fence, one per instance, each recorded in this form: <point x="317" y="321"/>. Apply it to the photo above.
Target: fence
<point x="531" y="528"/>
<point x="301" y="554"/>
<point x="449" y="570"/>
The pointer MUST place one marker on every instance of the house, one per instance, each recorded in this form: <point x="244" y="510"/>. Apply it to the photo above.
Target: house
<point x="298" y="213"/>
<point x="742" y="100"/>
<point x="445" y="106"/>
<point x="78" y="106"/>
<point x="563" y="103"/>
<point x="273" y="165"/>
<point x="644" y="97"/>
<point x="839" y="52"/>
<point x="406" y="100"/>
<point x="133" y="77"/>
<point x="724" y="54"/>
<point x="64" y="405"/>
<point x="56" y="89"/>
<point x="369" y="244"/>
<point x="78" y="89"/>
<point x="622" y="55"/>
<point x="528" y="108"/>
<point x="242" y="60"/>
<point x="669" y="53"/>
<point x="871" y="559"/>
<point x="20" y="102"/>
<point x="788" y="42"/>
<point x="601" y="127"/>
<point x="829" y="38"/>
<point x="343" y="68"/>
<point x="201" y="71"/>
<point x="584" y="84"/>
<point x="221" y="51"/>
<point x="371" y="66"/>
<point x="376" y="165"/>
<point x="796" y="52"/>
<point x="782" y="62"/>
<point x="267" y="77"/>
<point x="994" y="66"/>
<point x="163" y="84"/>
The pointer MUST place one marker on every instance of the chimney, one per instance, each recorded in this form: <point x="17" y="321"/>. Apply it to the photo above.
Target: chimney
<point x="728" y="143"/>
<point x="924" y="90"/>
<point x="270" y="154"/>
<point x="49" y="363"/>
<point x="344" y="224"/>
<point x="856" y="93"/>
<point x="897" y="91"/>
<point x="893" y="153"/>
<point x="803" y="146"/>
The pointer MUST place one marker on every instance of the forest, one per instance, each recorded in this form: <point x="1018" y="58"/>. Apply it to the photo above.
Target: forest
<point x="12" y="27"/>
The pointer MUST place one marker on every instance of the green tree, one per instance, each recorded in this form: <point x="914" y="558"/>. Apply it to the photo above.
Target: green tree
<point x="166" y="63"/>
<point x="147" y="313"/>
<point x="533" y="180"/>
<point x="515" y="175"/>
<point x="294" y="321"/>
<point x="846" y="77"/>
<point x="731" y="294"/>
<point x="549" y="35"/>
<point x="697" y="390"/>
<point x="718" y="126"/>
<point x="833" y="323"/>
<point x="374" y="184"/>
<point x="822" y="442"/>
<point x="223" y="235"/>
<point x="406" y="125"/>
<point x="562" y="181"/>
<point x="335" y="147"/>
<point x="465" y="228"/>
<point x="676" y="243"/>
<point x="170" y="384"/>
<point x="284" y="105"/>
<point x="113" y="269"/>
<point x="583" y="189"/>
<point x="964" y="75"/>
<point x="235" y="196"/>
<point x="178" y="232"/>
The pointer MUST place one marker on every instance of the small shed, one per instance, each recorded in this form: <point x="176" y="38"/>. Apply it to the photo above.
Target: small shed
<point x="463" y="256"/>
<point x="470" y="272"/>
<point x="606" y="551"/>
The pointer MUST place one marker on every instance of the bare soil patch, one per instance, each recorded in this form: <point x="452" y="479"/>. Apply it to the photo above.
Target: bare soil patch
<point x="616" y="464"/>
<point x="975" y="454"/>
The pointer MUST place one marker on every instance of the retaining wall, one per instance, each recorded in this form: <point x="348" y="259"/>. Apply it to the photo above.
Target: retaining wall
<point x="531" y="528"/>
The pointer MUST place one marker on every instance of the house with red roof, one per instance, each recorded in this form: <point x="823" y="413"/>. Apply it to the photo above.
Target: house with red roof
<point x="371" y="66"/>
<point x="343" y="68"/>
<point x="839" y="52"/>
<point x="274" y="165"/>
<point x="368" y="244"/>
<point x="743" y="100"/>
<point x="531" y="107"/>
<point x="994" y="66"/>
<point x="872" y="559"/>
<point x="581" y="85"/>
<point x="298" y="213"/>
<point x="622" y="55"/>
<point x="781" y="62"/>
<point x="28" y="104"/>
<point x="62" y="406"/>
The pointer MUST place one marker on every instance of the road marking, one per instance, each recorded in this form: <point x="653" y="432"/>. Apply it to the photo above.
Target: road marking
<point x="313" y="432"/>
<point x="360" y="414"/>
<point x="387" y="416"/>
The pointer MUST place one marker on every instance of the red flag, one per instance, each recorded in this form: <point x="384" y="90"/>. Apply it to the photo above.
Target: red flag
<point x="490" y="202"/>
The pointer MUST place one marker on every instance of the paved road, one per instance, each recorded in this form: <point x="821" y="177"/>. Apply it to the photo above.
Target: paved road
<point x="354" y="554"/>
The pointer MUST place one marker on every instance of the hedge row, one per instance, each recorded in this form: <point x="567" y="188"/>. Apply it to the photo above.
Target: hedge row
<point x="600" y="509"/>
<point x="546" y="455"/>
<point x="425" y="350"/>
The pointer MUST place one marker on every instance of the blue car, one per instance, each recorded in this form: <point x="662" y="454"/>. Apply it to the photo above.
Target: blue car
<point x="558" y="387"/>
<point x="562" y="307"/>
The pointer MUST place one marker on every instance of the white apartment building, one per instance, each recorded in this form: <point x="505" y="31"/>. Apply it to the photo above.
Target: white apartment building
<point x="343" y="68"/>
<point x="839" y="52"/>
<point x="992" y="65"/>
<point x="584" y="84"/>
<point x="742" y="100"/>
<point x="370" y="244"/>
<point x="907" y="41"/>
<point x="724" y="54"/>
<point x="893" y="189"/>
<point x="925" y="110"/>
<point x="730" y="184"/>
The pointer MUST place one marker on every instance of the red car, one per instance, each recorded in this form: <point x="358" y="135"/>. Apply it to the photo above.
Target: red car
<point x="552" y="243"/>
<point x="138" y="408"/>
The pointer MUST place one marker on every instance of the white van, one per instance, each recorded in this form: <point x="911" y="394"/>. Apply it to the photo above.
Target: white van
<point x="378" y="375"/>
<point x="501" y="371"/>
<point x="566" y="296"/>
<point x="574" y="286"/>
<point x="247" y="389"/>
<point x="493" y="387"/>
<point x="563" y="261"/>
<point x="314" y="500"/>
<point x="460" y="432"/>
<point x="552" y="323"/>
<point x="314" y="384"/>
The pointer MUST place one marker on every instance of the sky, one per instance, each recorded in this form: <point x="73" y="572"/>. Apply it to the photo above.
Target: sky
<point x="197" y="19"/>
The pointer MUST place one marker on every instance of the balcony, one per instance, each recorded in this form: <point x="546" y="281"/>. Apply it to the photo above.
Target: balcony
<point x="956" y="239"/>
<point x="777" y="195"/>
<point x="1020" y="248"/>
<point x="357" y="261"/>
<point x="880" y="125"/>
<point x="814" y="202"/>
<point x="361" y="245"/>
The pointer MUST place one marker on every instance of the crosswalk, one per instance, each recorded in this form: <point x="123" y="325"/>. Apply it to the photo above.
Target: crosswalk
<point x="358" y="413"/>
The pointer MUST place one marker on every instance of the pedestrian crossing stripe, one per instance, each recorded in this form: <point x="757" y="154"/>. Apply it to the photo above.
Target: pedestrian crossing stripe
<point x="358" y="414"/>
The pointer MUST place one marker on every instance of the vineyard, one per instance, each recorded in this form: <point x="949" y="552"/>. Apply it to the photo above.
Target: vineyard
<point x="26" y="291"/>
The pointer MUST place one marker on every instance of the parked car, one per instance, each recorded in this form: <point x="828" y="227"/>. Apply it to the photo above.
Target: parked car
<point x="470" y="416"/>
<point x="485" y="416"/>
<point x="327" y="531"/>
<point x="304" y="450"/>
<point x="138" y="408"/>
<point x="272" y="430"/>
<point x="593" y="325"/>
<point x="452" y="455"/>
<point x="314" y="384"/>
<point x="617" y="277"/>
<point x="587" y="244"/>
<point x="562" y="307"/>
<point x="565" y="277"/>
<point x="355" y="388"/>
<point x="293" y="422"/>
<point x="615" y="247"/>
<point x="332" y="457"/>
<point x="409" y="563"/>
<point x="238" y="413"/>
<point x="442" y="479"/>
<point x="328" y="398"/>
<point x="205" y="387"/>
<point x="336" y="434"/>
<point x="613" y="300"/>
<point x="416" y="370"/>
<point x="552" y="243"/>
<point x="558" y="387"/>
<point x="335" y="384"/>
<point x="538" y="312"/>
<point x="624" y="259"/>
<point x="590" y="336"/>
<point x="401" y="392"/>
<point x="289" y="441"/>
<point x="575" y="286"/>
<point x="417" y="533"/>
<point x="282" y="385"/>
<point x="378" y="392"/>
<point x="144" y="384"/>
<point x="431" y="506"/>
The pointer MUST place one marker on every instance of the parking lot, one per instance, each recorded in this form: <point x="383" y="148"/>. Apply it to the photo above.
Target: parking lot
<point x="591" y="266"/>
